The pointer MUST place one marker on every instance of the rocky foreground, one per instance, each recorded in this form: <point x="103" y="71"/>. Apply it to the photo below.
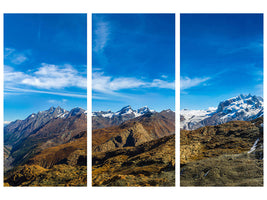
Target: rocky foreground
<point x="148" y="164"/>
<point x="229" y="154"/>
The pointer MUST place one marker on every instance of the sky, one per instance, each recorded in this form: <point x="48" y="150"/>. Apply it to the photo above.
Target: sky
<point x="45" y="58"/>
<point x="221" y="56"/>
<point x="133" y="61"/>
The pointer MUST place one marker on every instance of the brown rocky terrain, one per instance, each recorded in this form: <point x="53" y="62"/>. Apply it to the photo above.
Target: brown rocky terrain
<point x="149" y="164"/>
<point x="72" y="153"/>
<point x="224" y="170"/>
<point x="57" y="131"/>
<point x="222" y="155"/>
<point x="133" y="132"/>
<point x="53" y="154"/>
<point x="138" y="152"/>
<point x="58" y="175"/>
<point x="62" y="165"/>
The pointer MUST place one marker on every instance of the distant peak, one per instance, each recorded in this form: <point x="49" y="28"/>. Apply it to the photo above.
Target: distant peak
<point x="76" y="111"/>
<point x="51" y="108"/>
<point x="126" y="107"/>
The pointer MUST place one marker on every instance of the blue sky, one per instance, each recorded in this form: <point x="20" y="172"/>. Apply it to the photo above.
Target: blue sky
<point x="133" y="61"/>
<point x="45" y="57"/>
<point x="221" y="57"/>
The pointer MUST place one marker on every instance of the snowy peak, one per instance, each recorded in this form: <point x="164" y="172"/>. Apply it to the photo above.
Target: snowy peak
<point x="191" y="118"/>
<point x="240" y="102"/>
<point x="76" y="111"/>
<point x="53" y="113"/>
<point x="125" y="111"/>
<point x="144" y="110"/>
<point x="242" y="107"/>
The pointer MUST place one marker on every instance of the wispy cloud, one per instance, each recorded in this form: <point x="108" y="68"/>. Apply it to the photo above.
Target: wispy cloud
<point x="11" y="76"/>
<point x="186" y="82"/>
<point x="162" y="84"/>
<point x="53" y="101"/>
<point x="101" y="33"/>
<point x="22" y="90"/>
<point x="252" y="46"/>
<point x="47" y="77"/>
<point x="108" y="85"/>
<point x="164" y="76"/>
<point x="15" y="57"/>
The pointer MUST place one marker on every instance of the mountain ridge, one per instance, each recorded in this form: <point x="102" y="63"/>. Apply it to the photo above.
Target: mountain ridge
<point x="104" y="119"/>
<point x="242" y="107"/>
<point x="135" y="131"/>
<point x="25" y="138"/>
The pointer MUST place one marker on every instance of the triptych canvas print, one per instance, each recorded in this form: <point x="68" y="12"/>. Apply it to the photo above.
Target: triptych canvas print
<point x="133" y="126"/>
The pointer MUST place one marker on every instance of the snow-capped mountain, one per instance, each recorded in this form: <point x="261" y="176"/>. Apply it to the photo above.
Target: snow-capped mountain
<point x="102" y="119"/>
<point x="42" y="130"/>
<point x="242" y="107"/>
<point x="125" y="111"/>
<point x="191" y="118"/>
<point x="22" y="128"/>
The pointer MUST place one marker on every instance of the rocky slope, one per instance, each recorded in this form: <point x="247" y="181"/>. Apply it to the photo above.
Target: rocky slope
<point x="229" y="154"/>
<point x="224" y="170"/>
<point x="58" y="143"/>
<point x="55" y="132"/>
<point x="21" y="129"/>
<point x="138" y="152"/>
<point x="149" y="164"/>
<point x="242" y="107"/>
<point x="58" y="175"/>
<point x="133" y="132"/>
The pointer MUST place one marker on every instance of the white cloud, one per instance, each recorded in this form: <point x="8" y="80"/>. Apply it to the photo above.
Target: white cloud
<point x="186" y="82"/>
<point x="8" y="52"/>
<point x="163" y="84"/>
<point x="252" y="46"/>
<point x="96" y="69"/>
<point x="108" y="85"/>
<point x="164" y="76"/>
<point x="47" y="77"/>
<point x="101" y="35"/>
<point x="53" y="101"/>
<point x="6" y="123"/>
<point x="12" y="76"/>
<point x="20" y="58"/>
<point x="14" y="57"/>
<point x="66" y="94"/>
<point x="125" y="83"/>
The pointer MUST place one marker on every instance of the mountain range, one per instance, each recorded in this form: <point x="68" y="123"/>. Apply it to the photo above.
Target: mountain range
<point x="133" y="148"/>
<point x="50" y="139"/>
<point x="50" y="147"/>
<point x="135" y="131"/>
<point x="242" y="107"/>
<point x="137" y="147"/>
<point x="103" y="119"/>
